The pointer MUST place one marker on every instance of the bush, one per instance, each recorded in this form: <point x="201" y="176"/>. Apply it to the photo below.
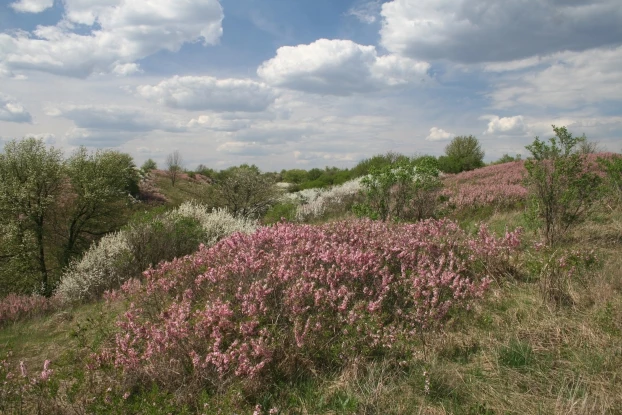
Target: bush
<point x="291" y="300"/>
<point x="402" y="191"/>
<point x="15" y="307"/>
<point x="104" y="266"/>
<point x="148" y="240"/>
<point x="464" y="153"/>
<point x="613" y="168"/>
<point x="317" y="204"/>
<point x="562" y="189"/>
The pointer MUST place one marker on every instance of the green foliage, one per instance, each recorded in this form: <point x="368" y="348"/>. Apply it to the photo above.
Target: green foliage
<point x="52" y="209"/>
<point x="377" y="162"/>
<point x="102" y="184"/>
<point x="295" y="176"/>
<point x="516" y="354"/>
<point x="244" y="191"/>
<point x="464" y="153"/>
<point x="280" y="211"/>
<point x="613" y="168"/>
<point x="155" y="238"/>
<point x="31" y="179"/>
<point x="206" y="171"/>
<point x="561" y="188"/>
<point x="149" y="165"/>
<point x="506" y="158"/>
<point x="405" y="190"/>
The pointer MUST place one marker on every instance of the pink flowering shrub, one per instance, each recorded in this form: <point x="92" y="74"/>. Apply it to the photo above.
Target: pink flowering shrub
<point x="499" y="185"/>
<point x="299" y="298"/>
<point x="26" y="391"/>
<point x="15" y="307"/>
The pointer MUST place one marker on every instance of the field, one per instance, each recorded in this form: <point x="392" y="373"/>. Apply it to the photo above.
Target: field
<point x="321" y="319"/>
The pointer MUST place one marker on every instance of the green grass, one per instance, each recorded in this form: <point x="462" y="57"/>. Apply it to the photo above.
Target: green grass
<point x="184" y="189"/>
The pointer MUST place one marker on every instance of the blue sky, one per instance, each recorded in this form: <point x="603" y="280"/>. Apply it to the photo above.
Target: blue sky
<point x="287" y="84"/>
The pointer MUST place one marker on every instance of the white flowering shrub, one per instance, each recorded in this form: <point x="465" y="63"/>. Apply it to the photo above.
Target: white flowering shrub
<point x="102" y="267"/>
<point x="317" y="203"/>
<point x="216" y="224"/>
<point x="125" y="254"/>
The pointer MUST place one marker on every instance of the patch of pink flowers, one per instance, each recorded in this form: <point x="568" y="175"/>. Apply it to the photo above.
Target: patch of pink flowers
<point x="15" y="307"/>
<point x="499" y="185"/>
<point x="301" y="297"/>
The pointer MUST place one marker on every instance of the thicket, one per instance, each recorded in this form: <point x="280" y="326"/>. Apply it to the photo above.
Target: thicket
<point x="291" y="300"/>
<point x="562" y="188"/>
<point x="52" y="209"/>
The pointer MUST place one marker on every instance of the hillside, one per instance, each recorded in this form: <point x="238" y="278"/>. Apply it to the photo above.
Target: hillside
<point x="284" y="320"/>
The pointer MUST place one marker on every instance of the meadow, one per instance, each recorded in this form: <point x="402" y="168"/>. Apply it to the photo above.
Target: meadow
<point x="319" y="307"/>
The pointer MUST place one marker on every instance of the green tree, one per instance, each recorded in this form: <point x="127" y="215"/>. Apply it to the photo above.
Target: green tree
<point x="149" y="165"/>
<point x="561" y="188"/>
<point x="463" y="153"/>
<point x="244" y="191"/>
<point x="405" y="190"/>
<point x="31" y="178"/>
<point x="102" y="185"/>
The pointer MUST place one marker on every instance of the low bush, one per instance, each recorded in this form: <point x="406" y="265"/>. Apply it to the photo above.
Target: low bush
<point x="291" y="300"/>
<point x="15" y="307"/>
<point x="317" y="204"/>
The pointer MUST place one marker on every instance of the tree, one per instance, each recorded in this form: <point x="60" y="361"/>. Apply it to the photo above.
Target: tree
<point x="464" y="153"/>
<point x="102" y="185"/>
<point x="31" y="178"/>
<point x="405" y="190"/>
<point x="561" y="188"/>
<point x="244" y="191"/>
<point x="149" y="165"/>
<point x="174" y="165"/>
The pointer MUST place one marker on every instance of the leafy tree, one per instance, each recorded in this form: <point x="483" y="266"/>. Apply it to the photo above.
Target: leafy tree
<point x="296" y="176"/>
<point x="244" y="191"/>
<point x="31" y="178"/>
<point x="149" y="165"/>
<point x="463" y="153"/>
<point x="378" y="161"/>
<point x="174" y="166"/>
<point x="405" y="190"/>
<point x="102" y="184"/>
<point x="561" y="188"/>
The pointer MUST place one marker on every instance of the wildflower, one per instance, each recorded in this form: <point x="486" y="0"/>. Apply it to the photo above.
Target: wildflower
<point x="47" y="372"/>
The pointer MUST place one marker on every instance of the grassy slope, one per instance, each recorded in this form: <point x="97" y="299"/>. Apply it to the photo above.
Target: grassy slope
<point x="514" y="353"/>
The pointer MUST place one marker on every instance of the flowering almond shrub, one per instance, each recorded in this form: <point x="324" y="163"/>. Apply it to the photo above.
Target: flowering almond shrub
<point x="293" y="299"/>
<point x="14" y="307"/>
<point x="499" y="185"/>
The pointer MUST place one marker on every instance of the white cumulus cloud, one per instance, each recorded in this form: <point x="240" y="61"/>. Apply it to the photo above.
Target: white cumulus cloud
<point x="13" y="111"/>
<point x="438" y="134"/>
<point x="209" y="93"/>
<point x="31" y="6"/>
<point x="566" y="80"/>
<point x="506" y="126"/>
<point x="339" y="67"/>
<point x="119" y="33"/>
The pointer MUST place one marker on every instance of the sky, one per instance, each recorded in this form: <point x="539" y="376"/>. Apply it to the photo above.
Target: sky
<point x="307" y="83"/>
